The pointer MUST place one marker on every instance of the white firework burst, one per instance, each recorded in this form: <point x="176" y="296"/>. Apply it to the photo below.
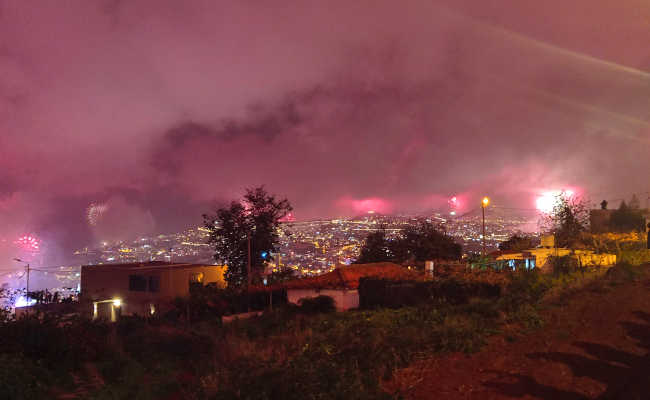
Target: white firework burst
<point x="95" y="212"/>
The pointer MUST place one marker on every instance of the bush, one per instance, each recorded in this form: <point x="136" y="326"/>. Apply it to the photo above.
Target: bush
<point x="207" y="303"/>
<point x="375" y="292"/>
<point x="634" y="257"/>
<point x="317" y="305"/>
<point x="563" y="265"/>
<point x="525" y="288"/>
<point x="624" y="272"/>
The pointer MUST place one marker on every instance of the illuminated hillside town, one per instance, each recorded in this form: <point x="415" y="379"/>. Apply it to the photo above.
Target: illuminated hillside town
<point x="307" y="247"/>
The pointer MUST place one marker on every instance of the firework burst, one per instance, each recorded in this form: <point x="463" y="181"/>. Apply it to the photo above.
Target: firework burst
<point x="29" y="242"/>
<point x="95" y="212"/>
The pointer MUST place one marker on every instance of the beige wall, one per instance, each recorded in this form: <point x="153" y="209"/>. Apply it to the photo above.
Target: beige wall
<point x="344" y="299"/>
<point x="101" y="283"/>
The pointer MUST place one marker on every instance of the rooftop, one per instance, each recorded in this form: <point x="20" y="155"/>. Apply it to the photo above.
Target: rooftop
<point x="144" y="266"/>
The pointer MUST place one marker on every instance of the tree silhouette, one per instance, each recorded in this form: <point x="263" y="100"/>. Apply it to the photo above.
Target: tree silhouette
<point x="419" y="242"/>
<point x="257" y="216"/>
<point x="627" y="219"/>
<point x="376" y="248"/>
<point x="569" y="218"/>
<point x="517" y="243"/>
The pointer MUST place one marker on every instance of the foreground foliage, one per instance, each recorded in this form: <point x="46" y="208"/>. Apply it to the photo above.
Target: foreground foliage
<point x="296" y="352"/>
<point x="250" y="224"/>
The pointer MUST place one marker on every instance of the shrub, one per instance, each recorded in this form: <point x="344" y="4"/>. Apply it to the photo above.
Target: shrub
<point x="634" y="257"/>
<point x="375" y="292"/>
<point x="525" y="288"/>
<point x="317" y="305"/>
<point x="21" y="378"/>
<point x="624" y="272"/>
<point x="563" y="265"/>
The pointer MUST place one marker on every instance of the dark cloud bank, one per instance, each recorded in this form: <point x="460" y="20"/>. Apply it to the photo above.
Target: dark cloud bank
<point x="159" y="109"/>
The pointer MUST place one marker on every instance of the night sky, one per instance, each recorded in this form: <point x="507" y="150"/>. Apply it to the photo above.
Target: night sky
<point x="154" y="110"/>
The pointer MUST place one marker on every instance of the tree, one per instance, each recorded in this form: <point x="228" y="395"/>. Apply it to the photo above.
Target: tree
<point x="375" y="248"/>
<point x="420" y="242"/>
<point x="635" y="204"/>
<point x="567" y="221"/>
<point x="426" y="241"/>
<point x="627" y="219"/>
<point x="517" y="243"/>
<point x="256" y="216"/>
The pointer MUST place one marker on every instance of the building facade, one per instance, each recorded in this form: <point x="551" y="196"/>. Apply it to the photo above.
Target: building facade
<point x="111" y="290"/>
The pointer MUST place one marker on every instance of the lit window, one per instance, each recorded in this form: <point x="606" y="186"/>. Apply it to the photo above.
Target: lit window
<point x="196" y="277"/>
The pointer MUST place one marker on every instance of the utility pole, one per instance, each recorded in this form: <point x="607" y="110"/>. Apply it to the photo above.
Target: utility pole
<point x="484" y="203"/>
<point x="248" y="273"/>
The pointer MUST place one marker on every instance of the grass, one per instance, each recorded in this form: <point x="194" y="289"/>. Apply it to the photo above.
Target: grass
<point x="290" y="353"/>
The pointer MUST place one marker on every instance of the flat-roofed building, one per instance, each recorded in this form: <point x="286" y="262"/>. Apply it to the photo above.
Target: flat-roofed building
<point x="111" y="290"/>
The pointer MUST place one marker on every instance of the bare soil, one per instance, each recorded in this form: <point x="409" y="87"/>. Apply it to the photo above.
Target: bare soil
<point x="595" y="343"/>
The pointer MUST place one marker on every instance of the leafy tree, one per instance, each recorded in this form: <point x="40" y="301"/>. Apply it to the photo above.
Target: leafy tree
<point x="257" y="216"/>
<point x="626" y="219"/>
<point x="426" y="241"/>
<point x="568" y="220"/>
<point x="420" y="242"/>
<point x="517" y="243"/>
<point x="282" y="275"/>
<point x="376" y="248"/>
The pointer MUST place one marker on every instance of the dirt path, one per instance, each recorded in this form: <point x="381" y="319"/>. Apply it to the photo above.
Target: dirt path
<point x="595" y="344"/>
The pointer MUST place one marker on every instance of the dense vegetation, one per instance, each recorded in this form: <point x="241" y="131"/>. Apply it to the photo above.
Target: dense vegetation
<point x="518" y="243"/>
<point x="419" y="242"/>
<point x="294" y="352"/>
<point x="251" y="222"/>
<point x="568" y="220"/>
<point x="627" y="218"/>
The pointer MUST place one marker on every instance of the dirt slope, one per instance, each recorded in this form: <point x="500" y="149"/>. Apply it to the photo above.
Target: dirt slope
<point x="595" y="344"/>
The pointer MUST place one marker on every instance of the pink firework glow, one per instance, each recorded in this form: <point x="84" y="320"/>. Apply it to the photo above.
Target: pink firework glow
<point x="288" y="218"/>
<point x="367" y="206"/>
<point x="29" y="243"/>
<point x="453" y="203"/>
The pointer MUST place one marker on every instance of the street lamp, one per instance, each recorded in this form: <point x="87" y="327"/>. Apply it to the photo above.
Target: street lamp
<point x="484" y="203"/>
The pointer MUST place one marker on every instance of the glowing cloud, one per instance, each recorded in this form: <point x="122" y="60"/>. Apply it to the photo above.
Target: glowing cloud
<point x="367" y="206"/>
